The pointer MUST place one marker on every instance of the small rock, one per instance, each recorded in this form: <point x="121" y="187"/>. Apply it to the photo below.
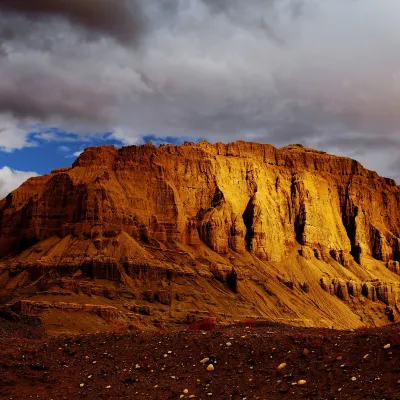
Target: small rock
<point x="82" y="385"/>
<point x="301" y="382"/>
<point x="204" y="360"/>
<point x="228" y="344"/>
<point x="386" y="346"/>
<point x="137" y="366"/>
<point x="210" y="367"/>
<point x="340" y="358"/>
<point x="366" y="356"/>
<point x="108" y="387"/>
<point x="281" y="366"/>
<point x="306" y="352"/>
<point x="353" y="378"/>
<point x="186" y="391"/>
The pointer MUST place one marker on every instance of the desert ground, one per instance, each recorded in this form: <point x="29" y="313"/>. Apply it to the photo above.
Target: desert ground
<point x="201" y="362"/>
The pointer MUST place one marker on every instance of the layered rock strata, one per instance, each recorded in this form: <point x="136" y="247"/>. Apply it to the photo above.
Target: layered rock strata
<point x="231" y="222"/>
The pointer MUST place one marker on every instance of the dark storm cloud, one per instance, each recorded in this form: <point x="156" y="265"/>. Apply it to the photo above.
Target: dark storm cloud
<point x="322" y="73"/>
<point x="121" y="19"/>
<point x="39" y="91"/>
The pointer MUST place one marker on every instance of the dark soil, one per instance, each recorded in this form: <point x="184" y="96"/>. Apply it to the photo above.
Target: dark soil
<point x="133" y="366"/>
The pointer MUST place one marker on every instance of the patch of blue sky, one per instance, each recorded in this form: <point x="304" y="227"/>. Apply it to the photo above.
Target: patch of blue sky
<point x="52" y="147"/>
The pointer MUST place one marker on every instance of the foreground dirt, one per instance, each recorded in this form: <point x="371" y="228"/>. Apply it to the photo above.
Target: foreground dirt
<point x="334" y="364"/>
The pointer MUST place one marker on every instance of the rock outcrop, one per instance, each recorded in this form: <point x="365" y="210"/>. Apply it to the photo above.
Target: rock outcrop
<point x="222" y="219"/>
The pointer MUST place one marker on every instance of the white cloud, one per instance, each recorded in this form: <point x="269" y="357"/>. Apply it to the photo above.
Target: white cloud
<point x="13" y="133"/>
<point x="74" y="155"/>
<point x="64" y="149"/>
<point x="127" y="136"/>
<point x="10" y="179"/>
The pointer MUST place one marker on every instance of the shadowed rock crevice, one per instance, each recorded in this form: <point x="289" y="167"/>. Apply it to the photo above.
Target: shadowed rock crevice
<point x="298" y="208"/>
<point x="232" y="280"/>
<point x="376" y="243"/>
<point x="218" y="198"/>
<point x="249" y="216"/>
<point x="349" y="214"/>
<point x="396" y="249"/>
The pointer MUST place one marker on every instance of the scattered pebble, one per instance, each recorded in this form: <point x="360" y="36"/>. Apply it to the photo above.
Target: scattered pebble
<point x="281" y="366"/>
<point x="386" y="346"/>
<point x="204" y="360"/>
<point x="301" y="382"/>
<point x="210" y="367"/>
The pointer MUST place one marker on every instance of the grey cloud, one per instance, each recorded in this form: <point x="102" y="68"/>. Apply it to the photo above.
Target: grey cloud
<point x="41" y="93"/>
<point x="320" y="72"/>
<point x="395" y="168"/>
<point x="121" y="19"/>
<point x="361" y="142"/>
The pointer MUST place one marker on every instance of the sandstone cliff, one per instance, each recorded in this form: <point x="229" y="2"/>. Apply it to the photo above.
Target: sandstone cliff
<point x="235" y="231"/>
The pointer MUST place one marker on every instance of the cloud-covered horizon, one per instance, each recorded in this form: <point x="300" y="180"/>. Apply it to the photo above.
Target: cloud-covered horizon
<point x="324" y="73"/>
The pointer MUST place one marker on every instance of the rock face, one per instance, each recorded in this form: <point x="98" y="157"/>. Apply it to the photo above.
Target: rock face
<point x="227" y="217"/>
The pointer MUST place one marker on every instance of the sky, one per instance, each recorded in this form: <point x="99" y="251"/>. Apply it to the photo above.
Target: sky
<point x="78" y="73"/>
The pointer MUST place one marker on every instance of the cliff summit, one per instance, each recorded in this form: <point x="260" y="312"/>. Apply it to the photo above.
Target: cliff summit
<point x="144" y="235"/>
